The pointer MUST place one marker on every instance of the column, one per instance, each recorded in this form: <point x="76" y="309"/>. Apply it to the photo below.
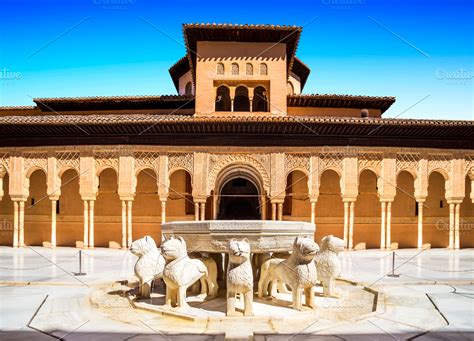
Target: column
<point x="203" y="211"/>
<point x="263" y="206"/>
<point x="91" y="224"/>
<point x="124" y="224"/>
<point x="383" y="205"/>
<point x="273" y="211"/>
<point x="129" y="223"/>
<point x="54" y="204"/>
<point x="420" y="224"/>
<point x="163" y="211"/>
<point x="15" y="223"/>
<point x="250" y="101"/>
<point x="86" y="223"/>
<point x="346" y="223"/>
<point x="388" y="238"/>
<point x="280" y="211"/>
<point x="21" y="222"/>
<point x="196" y="211"/>
<point x="313" y="212"/>
<point x="457" y="210"/>
<point x="451" y="226"/>
<point x="351" y="225"/>
<point x="214" y="206"/>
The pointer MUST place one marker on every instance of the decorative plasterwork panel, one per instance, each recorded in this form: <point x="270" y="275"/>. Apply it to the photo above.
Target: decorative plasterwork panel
<point x="106" y="159"/>
<point x="297" y="161"/>
<point x="218" y="162"/>
<point x="470" y="166"/>
<point x="67" y="160"/>
<point x="33" y="161"/>
<point x="331" y="161"/>
<point x="146" y="159"/>
<point x="439" y="162"/>
<point x="4" y="163"/>
<point x="181" y="161"/>
<point x="372" y="161"/>
<point x="408" y="161"/>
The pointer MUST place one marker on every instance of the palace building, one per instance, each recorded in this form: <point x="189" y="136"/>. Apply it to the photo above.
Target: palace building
<point x="240" y="140"/>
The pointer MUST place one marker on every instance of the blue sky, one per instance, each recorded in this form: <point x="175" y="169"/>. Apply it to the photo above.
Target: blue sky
<point x="419" y="51"/>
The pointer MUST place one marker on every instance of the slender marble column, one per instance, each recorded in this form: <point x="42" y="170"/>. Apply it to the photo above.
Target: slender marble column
<point x="313" y="212"/>
<point x="214" y="207"/>
<point x="456" y="226"/>
<point x="351" y="225"/>
<point x="196" y="211"/>
<point x="346" y="223"/>
<point x="451" y="226"/>
<point x="280" y="211"/>
<point x="91" y="224"/>
<point x="273" y="211"/>
<point x="163" y="212"/>
<point x="383" y="205"/>
<point x="54" y="204"/>
<point x="263" y="206"/>
<point x="203" y="211"/>
<point x="129" y="223"/>
<point x="388" y="237"/>
<point x="15" y="223"/>
<point x="124" y="224"/>
<point x="21" y="241"/>
<point x="86" y="223"/>
<point x="420" y="224"/>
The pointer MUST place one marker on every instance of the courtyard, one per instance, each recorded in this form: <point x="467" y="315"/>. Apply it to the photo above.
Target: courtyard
<point x="42" y="299"/>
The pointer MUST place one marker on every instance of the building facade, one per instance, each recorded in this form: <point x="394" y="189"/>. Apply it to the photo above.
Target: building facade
<point x="239" y="141"/>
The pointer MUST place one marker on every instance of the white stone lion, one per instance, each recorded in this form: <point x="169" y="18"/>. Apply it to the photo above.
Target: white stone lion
<point x="150" y="264"/>
<point x="181" y="272"/>
<point x="328" y="264"/>
<point x="239" y="276"/>
<point x="298" y="272"/>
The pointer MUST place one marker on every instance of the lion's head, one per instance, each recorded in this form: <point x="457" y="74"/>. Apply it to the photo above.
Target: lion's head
<point x="239" y="250"/>
<point x="174" y="248"/>
<point x="142" y="246"/>
<point x="332" y="243"/>
<point x="304" y="249"/>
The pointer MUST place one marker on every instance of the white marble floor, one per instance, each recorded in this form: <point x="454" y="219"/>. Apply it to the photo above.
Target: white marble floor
<point x="438" y="278"/>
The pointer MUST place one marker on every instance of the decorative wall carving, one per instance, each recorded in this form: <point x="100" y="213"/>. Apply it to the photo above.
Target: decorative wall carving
<point x="297" y="161"/>
<point x="4" y="163"/>
<point x="181" y="160"/>
<point x="408" y="161"/>
<point x="470" y="166"/>
<point x="146" y="159"/>
<point x="35" y="161"/>
<point x="331" y="161"/>
<point x="106" y="159"/>
<point x="372" y="161"/>
<point x="439" y="162"/>
<point x="67" y="160"/>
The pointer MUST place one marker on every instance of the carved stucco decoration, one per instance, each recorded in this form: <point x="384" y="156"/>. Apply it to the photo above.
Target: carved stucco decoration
<point x="408" y="162"/>
<point x="470" y="166"/>
<point x="67" y="160"/>
<point x="4" y="164"/>
<point x="218" y="163"/>
<point x="34" y="161"/>
<point x="440" y="163"/>
<point x="331" y="161"/>
<point x="371" y="161"/>
<point x="297" y="162"/>
<point x="106" y="159"/>
<point x="181" y="161"/>
<point x="146" y="160"/>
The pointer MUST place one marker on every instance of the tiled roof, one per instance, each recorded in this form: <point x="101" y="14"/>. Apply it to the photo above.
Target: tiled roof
<point x="341" y="101"/>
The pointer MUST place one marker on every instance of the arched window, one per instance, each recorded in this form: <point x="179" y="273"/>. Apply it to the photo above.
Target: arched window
<point x="235" y="68"/>
<point x="223" y="99"/>
<point x="249" y="69"/>
<point x="289" y="89"/>
<point x="241" y="100"/>
<point x="188" y="90"/>
<point x="263" y="69"/>
<point x="260" y="100"/>
<point x="220" y="69"/>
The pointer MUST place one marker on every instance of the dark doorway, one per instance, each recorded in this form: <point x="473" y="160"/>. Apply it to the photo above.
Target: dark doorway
<point x="241" y="100"/>
<point x="239" y="201"/>
<point x="223" y="99"/>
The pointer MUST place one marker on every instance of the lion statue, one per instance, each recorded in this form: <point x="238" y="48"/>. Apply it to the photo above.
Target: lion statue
<point x="181" y="272"/>
<point x="298" y="272"/>
<point x="149" y="265"/>
<point x="239" y="276"/>
<point x="328" y="264"/>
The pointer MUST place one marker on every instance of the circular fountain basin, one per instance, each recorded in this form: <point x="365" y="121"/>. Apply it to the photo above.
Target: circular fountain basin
<point x="214" y="235"/>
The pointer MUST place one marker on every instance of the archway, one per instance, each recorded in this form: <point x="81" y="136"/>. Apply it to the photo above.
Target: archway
<point x="239" y="200"/>
<point x="466" y="233"/>
<point x="69" y="211"/>
<point x="223" y="98"/>
<point x="6" y="214"/>
<point x="297" y="205"/>
<point x="404" y="226"/>
<point x="146" y="209"/>
<point x="436" y="213"/>
<point x="367" y="211"/>
<point x="260" y="101"/>
<point x="241" y="100"/>
<point x="37" y="210"/>
<point x="180" y="204"/>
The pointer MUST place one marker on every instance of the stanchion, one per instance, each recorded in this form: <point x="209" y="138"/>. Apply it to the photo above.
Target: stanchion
<point x="80" y="273"/>
<point x="393" y="274"/>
